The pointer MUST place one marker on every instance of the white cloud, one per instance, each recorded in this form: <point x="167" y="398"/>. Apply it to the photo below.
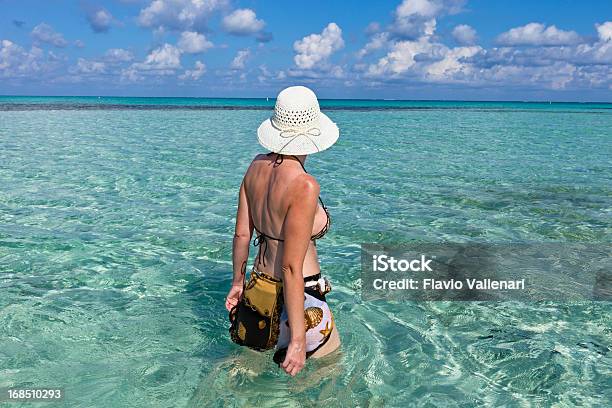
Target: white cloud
<point x="556" y="76"/>
<point x="410" y="44"/>
<point x="452" y="65"/>
<point x="400" y="58"/>
<point x="46" y="34"/>
<point x="425" y="62"/>
<point x="79" y="44"/>
<point x="598" y="53"/>
<point x="464" y="34"/>
<point x="240" y="59"/>
<point x="164" y="60"/>
<point x="242" y="22"/>
<point x="424" y="59"/>
<point x="15" y="61"/>
<point x="88" y="67"/>
<point x="118" y="55"/>
<point x="378" y="41"/>
<point x="265" y="74"/>
<point x="423" y="8"/>
<point x="415" y="18"/>
<point x="193" y="43"/>
<point x="165" y="57"/>
<point x="194" y="74"/>
<point x="563" y="76"/>
<point x="556" y="67"/>
<point x="181" y="15"/>
<point x="99" y="20"/>
<point x="556" y="59"/>
<point x="316" y="48"/>
<point x="604" y="31"/>
<point x="538" y="34"/>
<point x="131" y="74"/>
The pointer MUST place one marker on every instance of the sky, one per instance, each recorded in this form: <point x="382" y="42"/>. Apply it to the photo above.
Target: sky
<point x="557" y="50"/>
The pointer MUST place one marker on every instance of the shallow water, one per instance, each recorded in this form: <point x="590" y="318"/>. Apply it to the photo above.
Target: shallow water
<point x="115" y="257"/>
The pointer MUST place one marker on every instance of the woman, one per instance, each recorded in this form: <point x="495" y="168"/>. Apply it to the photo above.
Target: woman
<point x="280" y="201"/>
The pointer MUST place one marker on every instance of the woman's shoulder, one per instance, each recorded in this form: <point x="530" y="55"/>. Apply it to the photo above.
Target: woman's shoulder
<point x="305" y="186"/>
<point x="257" y="159"/>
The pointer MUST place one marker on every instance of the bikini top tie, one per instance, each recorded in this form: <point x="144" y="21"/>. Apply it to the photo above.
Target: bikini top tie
<point x="262" y="239"/>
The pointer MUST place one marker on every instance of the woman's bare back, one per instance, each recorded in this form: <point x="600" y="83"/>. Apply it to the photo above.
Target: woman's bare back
<point x="268" y="186"/>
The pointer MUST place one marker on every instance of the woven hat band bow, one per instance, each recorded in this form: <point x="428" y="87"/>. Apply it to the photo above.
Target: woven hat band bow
<point x="293" y="134"/>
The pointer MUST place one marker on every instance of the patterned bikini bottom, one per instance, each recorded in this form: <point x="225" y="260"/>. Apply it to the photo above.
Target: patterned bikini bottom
<point x="318" y="319"/>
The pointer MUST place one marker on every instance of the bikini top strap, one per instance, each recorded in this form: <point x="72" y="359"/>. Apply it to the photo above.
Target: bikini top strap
<point x="301" y="164"/>
<point x="279" y="159"/>
<point x="262" y="239"/>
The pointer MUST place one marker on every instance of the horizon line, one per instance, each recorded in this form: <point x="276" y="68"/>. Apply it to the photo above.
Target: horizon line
<point x="320" y="99"/>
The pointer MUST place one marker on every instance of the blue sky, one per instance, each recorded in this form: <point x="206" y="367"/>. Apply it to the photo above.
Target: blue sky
<point x="411" y="49"/>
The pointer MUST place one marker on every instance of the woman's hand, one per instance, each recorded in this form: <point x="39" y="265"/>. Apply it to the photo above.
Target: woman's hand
<point x="296" y="357"/>
<point x="233" y="297"/>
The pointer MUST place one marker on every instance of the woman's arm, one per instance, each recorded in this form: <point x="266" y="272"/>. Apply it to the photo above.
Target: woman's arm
<point x="296" y="230"/>
<point x="240" y="248"/>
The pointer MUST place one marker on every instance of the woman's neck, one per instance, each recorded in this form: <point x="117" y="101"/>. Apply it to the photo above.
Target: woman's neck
<point x="280" y="157"/>
<point x="301" y="158"/>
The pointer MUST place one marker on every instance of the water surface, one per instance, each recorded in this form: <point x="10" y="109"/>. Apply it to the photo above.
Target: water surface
<point x="115" y="254"/>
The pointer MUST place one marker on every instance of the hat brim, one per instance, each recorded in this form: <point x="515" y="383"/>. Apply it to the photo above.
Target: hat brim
<point x="269" y="136"/>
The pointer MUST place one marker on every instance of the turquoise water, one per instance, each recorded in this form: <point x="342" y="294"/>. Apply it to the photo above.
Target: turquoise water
<point x="110" y="102"/>
<point x="115" y="254"/>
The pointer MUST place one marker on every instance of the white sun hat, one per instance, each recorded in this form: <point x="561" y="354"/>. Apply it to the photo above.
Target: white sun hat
<point x="297" y="126"/>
